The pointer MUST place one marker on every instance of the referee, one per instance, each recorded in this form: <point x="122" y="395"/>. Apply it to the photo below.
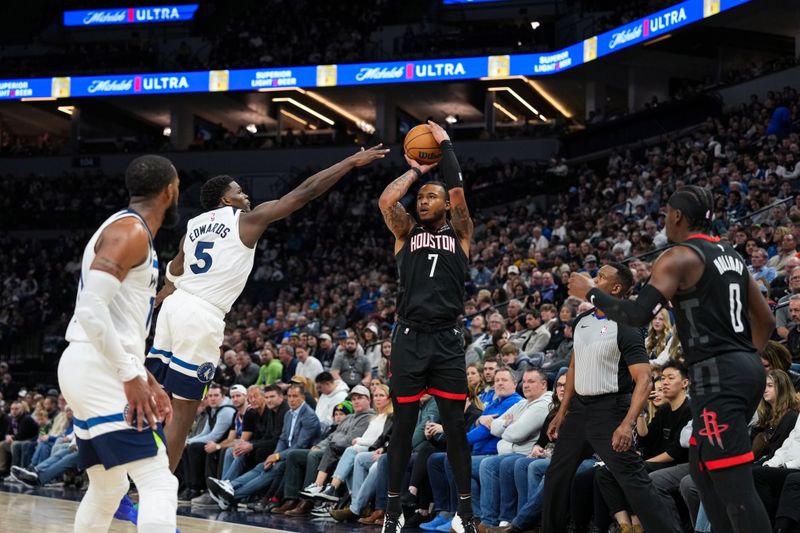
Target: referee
<point x="608" y="364"/>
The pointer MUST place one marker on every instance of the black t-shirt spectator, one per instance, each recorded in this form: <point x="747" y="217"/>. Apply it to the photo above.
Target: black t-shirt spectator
<point x="24" y="428"/>
<point x="664" y="432"/>
<point x="773" y="438"/>
<point x="225" y="375"/>
<point x="793" y="342"/>
<point x="289" y="371"/>
<point x="270" y="426"/>
<point x="248" y="375"/>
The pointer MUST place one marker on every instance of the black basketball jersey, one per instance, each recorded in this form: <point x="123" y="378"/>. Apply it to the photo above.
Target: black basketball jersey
<point x="432" y="269"/>
<point x="712" y="316"/>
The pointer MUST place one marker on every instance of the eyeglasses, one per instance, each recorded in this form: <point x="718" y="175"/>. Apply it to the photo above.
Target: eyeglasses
<point x="561" y="385"/>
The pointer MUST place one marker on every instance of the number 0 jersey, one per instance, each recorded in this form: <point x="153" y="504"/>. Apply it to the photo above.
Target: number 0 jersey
<point x="132" y="307"/>
<point x="432" y="269"/>
<point x="712" y="316"/>
<point x="216" y="262"/>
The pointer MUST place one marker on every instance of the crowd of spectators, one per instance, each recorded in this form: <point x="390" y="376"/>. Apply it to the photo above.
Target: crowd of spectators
<point x="316" y="350"/>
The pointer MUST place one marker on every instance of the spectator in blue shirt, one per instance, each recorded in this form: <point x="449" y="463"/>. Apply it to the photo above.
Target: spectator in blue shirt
<point x="758" y="266"/>
<point x="483" y="444"/>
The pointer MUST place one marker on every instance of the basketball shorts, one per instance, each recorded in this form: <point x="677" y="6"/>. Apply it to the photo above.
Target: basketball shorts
<point x="185" y="352"/>
<point x="429" y="362"/>
<point x="97" y="398"/>
<point x="725" y="391"/>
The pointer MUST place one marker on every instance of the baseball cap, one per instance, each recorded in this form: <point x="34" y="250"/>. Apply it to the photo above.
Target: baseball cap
<point x="237" y="389"/>
<point x="52" y="392"/>
<point x="373" y="328"/>
<point x="325" y="336"/>
<point x="590" y="258"/>
<point x="342" y="334"/>
<point x="513" y="269"/>
<point x="360" y="389"/>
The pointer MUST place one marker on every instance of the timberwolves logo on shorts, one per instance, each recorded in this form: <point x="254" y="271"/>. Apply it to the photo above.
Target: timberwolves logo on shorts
<point x="205" y="372"/>
<point x="125" y="415"/>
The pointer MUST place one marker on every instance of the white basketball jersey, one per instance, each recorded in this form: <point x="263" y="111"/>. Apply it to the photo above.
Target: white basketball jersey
<point x="216" y="262"/>
<point x="132" y="307"/>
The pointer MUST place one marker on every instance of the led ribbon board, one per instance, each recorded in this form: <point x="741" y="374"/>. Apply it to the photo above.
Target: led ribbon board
<point x="466" y="68"/>
<point x="130" y="15"/>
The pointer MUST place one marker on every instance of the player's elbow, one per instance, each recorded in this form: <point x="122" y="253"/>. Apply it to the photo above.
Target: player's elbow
<point x="385" y="202"/>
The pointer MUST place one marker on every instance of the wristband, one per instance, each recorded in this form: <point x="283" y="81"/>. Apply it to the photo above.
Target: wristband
<point x="277" y="457"/>
<point x="218" y="446"/>
<point x="418" y="172"/>
<point x="170" y="276"/>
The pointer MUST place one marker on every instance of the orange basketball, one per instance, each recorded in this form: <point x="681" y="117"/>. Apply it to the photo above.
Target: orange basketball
<point x="420" y="145"/>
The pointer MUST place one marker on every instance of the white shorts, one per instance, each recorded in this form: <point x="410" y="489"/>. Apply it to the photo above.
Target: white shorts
<point x="97" y="398"/>
<point x="185" y="352"/>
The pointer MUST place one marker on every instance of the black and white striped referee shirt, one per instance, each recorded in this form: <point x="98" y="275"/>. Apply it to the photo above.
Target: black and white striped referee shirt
<point x="603" y="351"/>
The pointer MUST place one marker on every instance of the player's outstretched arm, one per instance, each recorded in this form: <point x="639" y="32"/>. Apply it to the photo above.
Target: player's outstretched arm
<point x="451" y="171"/>
<point x="762" y="321"/>
<point x="253" y="224"/>
<point x="665" y="278"/>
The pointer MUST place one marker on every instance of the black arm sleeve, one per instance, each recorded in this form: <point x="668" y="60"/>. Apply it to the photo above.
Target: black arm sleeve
<point x="638" y="313"/>
<point x="450" y="167"/>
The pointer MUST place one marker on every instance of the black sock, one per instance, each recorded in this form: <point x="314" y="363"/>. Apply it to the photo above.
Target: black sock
<point x="465" y="506"/>
<point x="393" y="507"/>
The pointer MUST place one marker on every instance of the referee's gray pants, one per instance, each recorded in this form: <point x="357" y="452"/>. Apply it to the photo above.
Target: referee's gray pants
<point x="593" y="419"/>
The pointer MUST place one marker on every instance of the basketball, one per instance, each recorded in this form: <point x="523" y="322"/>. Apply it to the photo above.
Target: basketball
<point x="420" y="145"/>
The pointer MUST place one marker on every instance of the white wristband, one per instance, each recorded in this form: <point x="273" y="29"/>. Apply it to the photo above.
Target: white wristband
<point x="170" y="276"/>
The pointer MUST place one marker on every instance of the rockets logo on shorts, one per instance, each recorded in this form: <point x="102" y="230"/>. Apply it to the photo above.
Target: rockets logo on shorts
<point x="205" y="372"/>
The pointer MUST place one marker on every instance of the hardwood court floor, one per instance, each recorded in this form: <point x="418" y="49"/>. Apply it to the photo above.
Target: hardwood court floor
<point x="41" y="514"/>
<point x="52" y="510"/>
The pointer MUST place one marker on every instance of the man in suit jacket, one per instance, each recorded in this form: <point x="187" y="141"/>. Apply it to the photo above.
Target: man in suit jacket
<point x="301" y="428"/>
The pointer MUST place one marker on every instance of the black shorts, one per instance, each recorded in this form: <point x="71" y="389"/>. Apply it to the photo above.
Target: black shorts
<point x="725" y="391"/>
<point x="427" y="362"/>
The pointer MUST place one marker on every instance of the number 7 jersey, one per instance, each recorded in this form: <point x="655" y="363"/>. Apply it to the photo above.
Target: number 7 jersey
<point x="711" y="317"/>
<point x="216" y="262"/>
<point x="432" y="269"/>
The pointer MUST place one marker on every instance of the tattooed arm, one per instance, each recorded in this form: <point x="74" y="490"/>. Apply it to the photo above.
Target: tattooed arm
<point x="395" y="215"/>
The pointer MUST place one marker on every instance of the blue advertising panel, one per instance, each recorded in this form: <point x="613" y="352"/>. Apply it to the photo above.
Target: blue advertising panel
<point x="271" y="78"/>
<point x="130" y="15"/>
<point x="30" y="88"/>
<point x="412" y="71"/>
<point x="160" y="83"/>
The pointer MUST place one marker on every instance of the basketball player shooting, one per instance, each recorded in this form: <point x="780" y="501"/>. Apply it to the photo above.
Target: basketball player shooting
<point x="206" y="277"/>
<point x="101" y="372"/>
<point x="427" y="343"/>
<point x="722" y="322"/>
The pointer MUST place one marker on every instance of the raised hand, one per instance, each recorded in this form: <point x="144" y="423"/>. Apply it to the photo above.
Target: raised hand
<point x="438" y="132"/>
<point x="365" y="157"/>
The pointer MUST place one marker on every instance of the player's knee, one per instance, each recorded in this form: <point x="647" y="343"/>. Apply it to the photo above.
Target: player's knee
<point x="108" y="492"/>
